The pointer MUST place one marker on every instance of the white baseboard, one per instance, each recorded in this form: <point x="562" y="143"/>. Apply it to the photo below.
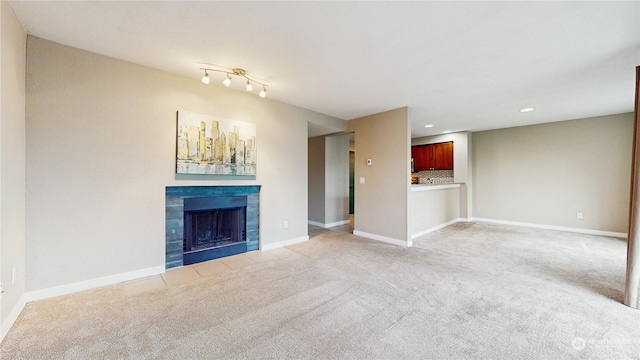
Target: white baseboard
<point x="552" y="227"/>
<point x="418" y="234"/>
<point x="337" y="223"/>
<point x="383" y="238"/>
<point x="92" y="284"/>
<point x="13" y="316"/>
<point x="284" y="243"/>
<point x="329" y="225"/>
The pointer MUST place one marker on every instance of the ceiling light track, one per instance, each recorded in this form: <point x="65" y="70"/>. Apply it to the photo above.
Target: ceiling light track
<point x="235" y="72"/>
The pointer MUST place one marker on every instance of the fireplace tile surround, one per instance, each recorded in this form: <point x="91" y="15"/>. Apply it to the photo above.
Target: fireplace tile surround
<point x="174" y="221"/>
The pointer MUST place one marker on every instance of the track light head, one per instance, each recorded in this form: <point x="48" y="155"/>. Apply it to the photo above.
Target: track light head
<point x="227" y="81"/>
<point x="205" y="78"/>
<point x="263" y="92"/>
<point x="249" y="87"/>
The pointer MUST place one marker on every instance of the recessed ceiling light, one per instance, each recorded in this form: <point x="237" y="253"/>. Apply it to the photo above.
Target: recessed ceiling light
<point x="526" y="110"/>
<point x="428" y="126"/>
<point x="446" y="132"/>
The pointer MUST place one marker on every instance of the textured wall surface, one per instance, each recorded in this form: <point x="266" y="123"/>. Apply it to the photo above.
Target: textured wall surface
<point x="546" y="174"/>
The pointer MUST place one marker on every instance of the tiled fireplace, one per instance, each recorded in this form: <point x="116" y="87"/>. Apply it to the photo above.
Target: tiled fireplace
<point x="208" y="222"/>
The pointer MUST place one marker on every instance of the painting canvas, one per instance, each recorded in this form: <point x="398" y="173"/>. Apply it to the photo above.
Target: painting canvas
<point x="211" y="145"/>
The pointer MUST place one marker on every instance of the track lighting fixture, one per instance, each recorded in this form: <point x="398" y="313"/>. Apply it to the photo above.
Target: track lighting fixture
<point x="236" y="72"/>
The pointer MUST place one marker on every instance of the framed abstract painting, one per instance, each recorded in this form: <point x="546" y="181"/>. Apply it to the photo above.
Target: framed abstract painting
<point x="210" y="145"/>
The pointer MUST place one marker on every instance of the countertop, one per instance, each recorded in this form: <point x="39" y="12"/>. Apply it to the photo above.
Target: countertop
<point x="427" y="187"/>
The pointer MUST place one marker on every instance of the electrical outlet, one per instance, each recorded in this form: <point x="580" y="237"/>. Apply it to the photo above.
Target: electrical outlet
<point x="361" y="180"/>
<point x="579" y="216"/>
<point x="1" y="291"/>
<point x="286" y="224"/>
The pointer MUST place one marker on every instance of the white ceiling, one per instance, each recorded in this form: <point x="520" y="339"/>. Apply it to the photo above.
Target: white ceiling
<point x="457" y="65"/>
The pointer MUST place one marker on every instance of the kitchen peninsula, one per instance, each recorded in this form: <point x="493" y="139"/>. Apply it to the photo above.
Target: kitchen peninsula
<point x="432" y="207"/>
<point x="441" y="196"/>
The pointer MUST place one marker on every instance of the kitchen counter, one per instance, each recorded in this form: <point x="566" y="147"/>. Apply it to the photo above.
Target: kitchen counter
<point x="427" y="187"/>
<point x="432" y="207"/>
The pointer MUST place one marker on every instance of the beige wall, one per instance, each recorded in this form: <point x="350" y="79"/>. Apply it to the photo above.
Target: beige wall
<point x="328" y="179"/>
<point x="12" y="163"/>
<point x="316" y="179"/>
<point x="381" y="202"/>
<point x="546" y="174"/>
<point x="337" y="179"/>
<point x="101" y="150"/>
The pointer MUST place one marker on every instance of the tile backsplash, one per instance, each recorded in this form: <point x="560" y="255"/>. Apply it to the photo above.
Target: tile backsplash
<point x="435" y="177"/>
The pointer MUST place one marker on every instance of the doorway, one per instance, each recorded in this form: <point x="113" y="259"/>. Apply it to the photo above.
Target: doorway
<point x="352" y="163"/>
<point x="352" y="179"/>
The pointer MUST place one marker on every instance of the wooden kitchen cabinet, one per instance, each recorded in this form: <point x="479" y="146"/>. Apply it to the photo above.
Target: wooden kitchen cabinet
<point x="421" y="155"/>
<point x="433" y="156"/>
<point x="443" y="156"/>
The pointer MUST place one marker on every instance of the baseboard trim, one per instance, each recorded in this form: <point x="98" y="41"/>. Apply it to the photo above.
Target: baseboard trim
<point x="284" y="243"/>
<point x="329" y="225"/>
<point x="553" y="227"/>
<point x="438" y="227"/>
<point x="92" y="284"/>
<point x="383" y="238"/>
<point x="337" y="223"/>
<point x="13" y="316"/>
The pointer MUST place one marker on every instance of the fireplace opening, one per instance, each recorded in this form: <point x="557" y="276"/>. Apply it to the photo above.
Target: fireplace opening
<point x="214" y="227"/>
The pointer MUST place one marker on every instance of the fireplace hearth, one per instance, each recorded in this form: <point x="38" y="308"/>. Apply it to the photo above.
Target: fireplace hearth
<point x="209" y="222"/>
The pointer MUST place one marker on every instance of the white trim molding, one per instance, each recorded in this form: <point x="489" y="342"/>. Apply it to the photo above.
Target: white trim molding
<point x="428" y="187"/>
<point x="92" y="284"/>
<point x="438" y="227"/>
<point x="553" y="227"/>
<point x="13" y="316"/>
<point x="284" y="243"/>
<point x="329" y="225"/>
<point x="383" y="238"/>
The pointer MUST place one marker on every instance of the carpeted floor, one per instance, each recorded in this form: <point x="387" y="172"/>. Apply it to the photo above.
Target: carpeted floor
<point x="469" y="291"/>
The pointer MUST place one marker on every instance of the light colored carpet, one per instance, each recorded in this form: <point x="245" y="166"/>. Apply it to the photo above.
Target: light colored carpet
<point x="469" y="291"/>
